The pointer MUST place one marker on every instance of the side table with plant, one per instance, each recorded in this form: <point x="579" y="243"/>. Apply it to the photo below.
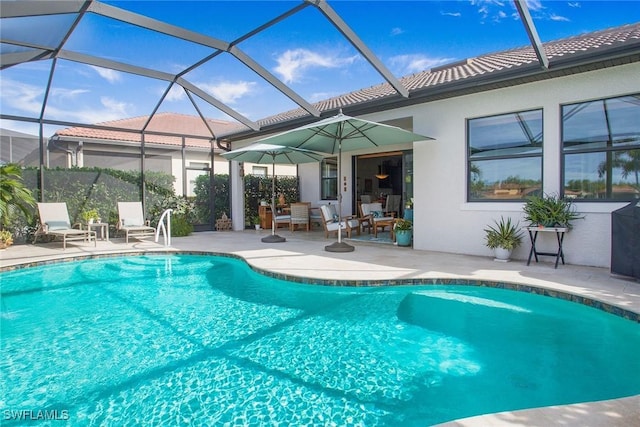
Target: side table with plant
<point x="550" y="211"/>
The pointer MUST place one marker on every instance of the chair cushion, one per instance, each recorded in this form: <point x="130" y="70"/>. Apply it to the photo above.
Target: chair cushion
<point x="58" y="225"/>
<point x="132" y="222"/>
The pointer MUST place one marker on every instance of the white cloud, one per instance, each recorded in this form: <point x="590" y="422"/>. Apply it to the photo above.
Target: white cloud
<point x="555" y="17"/>
<point x="534" y="5"/>
<point x="406" y="64"/>
<point x="396" y="31"/>
<point x="574" y="4"/>
<point x="176" y="93"/>
<point x="112" y="76"/>
<point x="27" y="100"/>
<point x="21" y="96"/>
<point x="293" y="63"/>
<point x="67" y="94"/>
<point x="454" y="14"/>
<point x="228" y="92"/>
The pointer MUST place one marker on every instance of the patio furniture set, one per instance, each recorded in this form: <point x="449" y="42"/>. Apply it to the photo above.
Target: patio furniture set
<point x="55" y="223"/>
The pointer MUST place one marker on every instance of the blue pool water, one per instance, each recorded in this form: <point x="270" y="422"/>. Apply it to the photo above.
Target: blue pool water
<point x="168" y="340"/>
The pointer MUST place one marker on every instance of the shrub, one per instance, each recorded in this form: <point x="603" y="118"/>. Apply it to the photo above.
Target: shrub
<point x="180" y="226"/>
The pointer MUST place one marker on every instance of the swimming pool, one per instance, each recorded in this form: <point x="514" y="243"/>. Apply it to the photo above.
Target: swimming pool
<point x="172" y="339"/>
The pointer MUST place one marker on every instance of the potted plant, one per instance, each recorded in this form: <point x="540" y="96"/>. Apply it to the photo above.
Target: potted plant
<point x="255" y="220"/>
<point x="403" y="230"/>
<point x="90" y="215"/>
<point x="6" y="239"/>
<point x="550" y="211"/>
<point x="503" y="237"/>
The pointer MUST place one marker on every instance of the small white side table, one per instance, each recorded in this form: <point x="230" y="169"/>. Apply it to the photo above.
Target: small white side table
<point x="104" y="229"/>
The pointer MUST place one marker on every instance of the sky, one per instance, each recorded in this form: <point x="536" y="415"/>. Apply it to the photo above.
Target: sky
<point x="303" y="51"/>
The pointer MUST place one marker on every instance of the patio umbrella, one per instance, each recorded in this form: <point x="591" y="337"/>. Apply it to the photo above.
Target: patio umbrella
<point x="338" y="133"/>
<point x="268" y="153"/>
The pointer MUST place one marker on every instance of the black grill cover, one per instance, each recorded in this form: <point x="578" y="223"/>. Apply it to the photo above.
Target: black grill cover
<point x="625" y="240"/>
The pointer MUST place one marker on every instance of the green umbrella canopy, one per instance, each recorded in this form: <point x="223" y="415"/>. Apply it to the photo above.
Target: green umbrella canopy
<point x="269" y="153"/>
<point x="342" y="133"/>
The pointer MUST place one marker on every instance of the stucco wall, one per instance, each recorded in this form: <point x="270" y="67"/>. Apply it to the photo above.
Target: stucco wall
<point x="446" y="222"/>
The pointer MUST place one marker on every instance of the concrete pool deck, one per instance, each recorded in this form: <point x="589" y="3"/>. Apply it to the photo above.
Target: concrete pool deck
<point x="303" y="255"/>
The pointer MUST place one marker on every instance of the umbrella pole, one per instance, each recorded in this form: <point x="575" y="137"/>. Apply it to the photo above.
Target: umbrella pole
<point x="273" y="237"/>
<point x="339" y="246"/>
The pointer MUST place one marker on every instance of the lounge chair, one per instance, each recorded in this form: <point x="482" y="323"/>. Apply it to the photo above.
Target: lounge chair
<point x="131" y="221"/>
<point x="54" y="222"/>
<point x="330" y="221"/>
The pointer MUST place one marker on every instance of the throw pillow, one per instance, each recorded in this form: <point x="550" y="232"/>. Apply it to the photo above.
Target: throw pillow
<point x="132" y="222"/>
<point x="377" y="214"/>
<point x="336" y="217"/>
<point x="58" y="225"/>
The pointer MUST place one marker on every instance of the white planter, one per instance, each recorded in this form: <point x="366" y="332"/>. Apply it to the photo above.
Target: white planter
<point x="502" y="254"/>
<point x="257" y="226"/>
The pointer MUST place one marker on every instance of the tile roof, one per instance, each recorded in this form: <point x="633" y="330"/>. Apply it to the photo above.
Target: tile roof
<point x="173" y="123"/>
<point x="585" y="45"/>
<point x="443" y="81"/>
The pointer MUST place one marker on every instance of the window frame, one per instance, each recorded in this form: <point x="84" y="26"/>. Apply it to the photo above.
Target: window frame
<point x="327" y="179"/>
<point x="470" y="159"/>
<point x="610" y="147"/>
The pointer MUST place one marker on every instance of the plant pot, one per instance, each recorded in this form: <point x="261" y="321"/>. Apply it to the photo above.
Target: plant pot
<point x="257" y="226"/>
<point x="403" y="237"/>
<point x="502" y="254"/>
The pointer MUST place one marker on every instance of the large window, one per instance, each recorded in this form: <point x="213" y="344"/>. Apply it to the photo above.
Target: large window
<point x="329" y="178"/>
<point x="505" y="156"/>
<point x="601" y="149"/>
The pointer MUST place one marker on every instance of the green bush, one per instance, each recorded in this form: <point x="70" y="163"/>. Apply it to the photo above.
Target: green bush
<point x="180" y="226"/>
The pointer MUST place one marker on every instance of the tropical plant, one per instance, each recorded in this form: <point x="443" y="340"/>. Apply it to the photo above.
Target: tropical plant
<point x="504" y="234"/>
<point x="14" y="195"/>
<point x="6" y="239"/>
<point x="403" y="225"/>
<point x="550" y="211"/>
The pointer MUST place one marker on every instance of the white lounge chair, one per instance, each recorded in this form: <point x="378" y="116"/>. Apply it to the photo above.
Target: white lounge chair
<point x="131" y="221"/>
<point x="54" y="222"/>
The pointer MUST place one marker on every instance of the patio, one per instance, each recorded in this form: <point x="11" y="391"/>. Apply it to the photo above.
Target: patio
<point x="303" y="255"/>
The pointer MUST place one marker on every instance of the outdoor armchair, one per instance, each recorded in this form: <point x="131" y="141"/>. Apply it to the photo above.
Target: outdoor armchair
<point x="299" y="215"/>
<point x="54" y="222"/>
<point x="372" y="215"/>
<point x="331" y="224"/>
<point x="131" y="221"/>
